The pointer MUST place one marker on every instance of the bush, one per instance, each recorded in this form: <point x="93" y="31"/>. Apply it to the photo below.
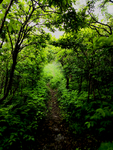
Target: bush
<point x="20" y="120"/>
<point x="106" y="146"/>
<point x="82" y="116"/>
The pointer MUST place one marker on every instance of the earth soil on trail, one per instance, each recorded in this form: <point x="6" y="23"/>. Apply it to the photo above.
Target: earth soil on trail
<point x="54" y="133"/>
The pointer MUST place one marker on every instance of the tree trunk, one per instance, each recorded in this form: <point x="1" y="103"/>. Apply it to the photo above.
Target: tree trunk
<point x="80" y="85"/>
<point x="89" y="83"/>
<point x="15" y="54"/>
<point x="7" y="10"/>
<point x="67" y="83"/>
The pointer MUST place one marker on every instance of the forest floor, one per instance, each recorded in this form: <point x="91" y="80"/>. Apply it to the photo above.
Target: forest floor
<point x="54" y="133"/>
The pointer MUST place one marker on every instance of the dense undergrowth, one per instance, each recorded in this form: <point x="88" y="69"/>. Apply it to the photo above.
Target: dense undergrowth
<point x="83" y="77"/>
<point x="94" y="118"/>
<point x="20" y="120"/>
<point x="23" y="116"/>
<point x="83" y="117"/>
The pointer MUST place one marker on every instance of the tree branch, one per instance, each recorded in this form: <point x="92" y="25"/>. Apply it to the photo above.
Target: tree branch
<point x="1" y="43"/>
<point x="101" y="23"/>
<point x="7" y="10"/>
<point x="98" y="32"/>
<point x="25" y="45"/>
<point x="110" y="1"/>
<point x="100" y="28"/>
<point x="15" y="54"/>
<point x="10" y="38"/>
<point x="1" y="1"/>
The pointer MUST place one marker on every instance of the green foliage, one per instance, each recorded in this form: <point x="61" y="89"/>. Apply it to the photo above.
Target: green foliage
<point x="25" y="108"/>
<point x="83" y="76"/>
<point x="50" y="50"/>
<point x="20" y="121"/>
<point x="53" y="74"/>
<point x="92" y="114"/>
<point x="87" y="115"/>
<point x="106" y="146"/>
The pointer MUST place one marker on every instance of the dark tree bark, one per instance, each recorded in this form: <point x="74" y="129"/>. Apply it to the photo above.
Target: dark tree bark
<point x="6" y="81"/>
<point x="15" y="53"/>
<point x="89" y="84"/>
<point x="7" y="10"/>
<point x="11" y="74"/>
<point x="67" y="82"/>
<point x="80" y="85"/>
<point x="1" y="1"/>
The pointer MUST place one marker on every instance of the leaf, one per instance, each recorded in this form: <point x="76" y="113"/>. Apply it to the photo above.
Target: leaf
<point x="88" y="124"/>
<point x="101" y="129"/>
<point x="106" y="146"/>
<point x="12" y="136"/>
<point x="32" y="139"/>
<point x="44" y="1"/>
<point x="100" y="111"/>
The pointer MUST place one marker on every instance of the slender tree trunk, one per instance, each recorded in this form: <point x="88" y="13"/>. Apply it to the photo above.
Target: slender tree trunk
<point x="7" y="10"/>
<point x="80" y="85"/>
<point x="67" y="83"/>
<point x="11" y="74"/>
<point x="6" y="81"/>
<point x="89" y="82"/>
<point x="2" y="84"/>
<point x="16" y="49"/>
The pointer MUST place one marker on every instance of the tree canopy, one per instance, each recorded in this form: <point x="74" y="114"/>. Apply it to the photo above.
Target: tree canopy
<point x="84" y="54"/>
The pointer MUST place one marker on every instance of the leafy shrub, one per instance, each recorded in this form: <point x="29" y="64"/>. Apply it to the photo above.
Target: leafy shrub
<point x="83" y="117"/>
<point x="106" y="146"/>
<point x="21" y="119"/>
<point x="54" y="83"/>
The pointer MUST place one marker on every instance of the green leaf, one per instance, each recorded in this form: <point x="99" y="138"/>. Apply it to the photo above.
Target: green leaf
<point x="101" y="129"/>
<point x="100" y="111"/>
<point x="88" y="124"/>
<point x="106" y="146"/>
<point x="32" y="139"/>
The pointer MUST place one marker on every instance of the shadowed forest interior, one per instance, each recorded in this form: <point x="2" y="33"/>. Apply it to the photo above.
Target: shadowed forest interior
<point x="56" y="94"/>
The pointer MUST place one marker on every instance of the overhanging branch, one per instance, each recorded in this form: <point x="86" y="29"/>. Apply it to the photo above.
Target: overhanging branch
<point x="10" y="38"/>
<point x="95" y="21"/>
<point x="98" y="31"/>
<point x="7" y="10"/>
<point x="95" y="27"/>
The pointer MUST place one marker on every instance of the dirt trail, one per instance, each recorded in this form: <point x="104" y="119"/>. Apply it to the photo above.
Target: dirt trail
<point x="54" y="134"/>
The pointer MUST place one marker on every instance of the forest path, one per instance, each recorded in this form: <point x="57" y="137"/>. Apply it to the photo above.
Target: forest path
<point x="54" y="134"/>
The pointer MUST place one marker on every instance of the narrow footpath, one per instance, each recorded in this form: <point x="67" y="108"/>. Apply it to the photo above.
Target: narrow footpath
<point x="54" y="134"/>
